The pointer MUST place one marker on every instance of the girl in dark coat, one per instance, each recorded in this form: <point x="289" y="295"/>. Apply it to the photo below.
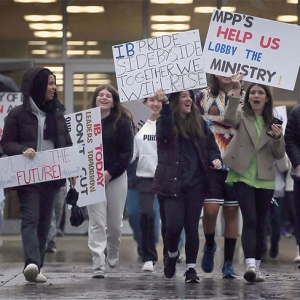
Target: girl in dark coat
<point x="105" y="218"/>
<point x="187" y="155"/>
<point x="36" y="125"/>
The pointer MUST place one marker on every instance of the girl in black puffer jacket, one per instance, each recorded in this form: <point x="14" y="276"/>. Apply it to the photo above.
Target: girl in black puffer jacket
<point x="36" y="125"/>
<point x="187" y="154"/>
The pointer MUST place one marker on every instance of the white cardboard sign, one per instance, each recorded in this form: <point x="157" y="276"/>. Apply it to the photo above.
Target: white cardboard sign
<point x="265" y="51"/>
<point x="7" y="102"/>
<point x="173" y="62"/>
<point x="86" y="132"/>
<point x="47" y="165"/>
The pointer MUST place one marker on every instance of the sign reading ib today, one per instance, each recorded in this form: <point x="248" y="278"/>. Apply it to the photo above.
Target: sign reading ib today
<point x="264" y="51"/>
<point x="173" y="62"/>
<point x="86" y="132"/>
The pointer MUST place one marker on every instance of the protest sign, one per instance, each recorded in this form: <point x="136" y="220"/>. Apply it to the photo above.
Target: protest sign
<point x="140" y="112"/>
<point x="86" y="132"/>
<point x="173" y="62"/>
<point x="265" y="51"/>
<point x="47" y="165"/>
<point x="7" y="102"/>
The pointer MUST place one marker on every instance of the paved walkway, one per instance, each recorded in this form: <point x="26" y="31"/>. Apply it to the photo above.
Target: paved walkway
<point x="69" y="275"/>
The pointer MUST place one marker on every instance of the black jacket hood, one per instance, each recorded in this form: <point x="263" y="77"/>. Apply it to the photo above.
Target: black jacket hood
<point x="28" y="80"/>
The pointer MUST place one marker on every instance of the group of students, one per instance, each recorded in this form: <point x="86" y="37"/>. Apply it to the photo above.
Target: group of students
<point x="194" y="152"/>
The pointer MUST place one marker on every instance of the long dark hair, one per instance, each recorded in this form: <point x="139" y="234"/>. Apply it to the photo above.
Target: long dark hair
<point x="118" y="109"/>
<point x="190" y="126"/>
<point x="215" y="87"/>
<point x="267" y="112"/>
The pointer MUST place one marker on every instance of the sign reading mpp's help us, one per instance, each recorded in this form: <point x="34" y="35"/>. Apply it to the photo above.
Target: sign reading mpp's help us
<point x="265" y="51"/>
<point x="173" y="62"/>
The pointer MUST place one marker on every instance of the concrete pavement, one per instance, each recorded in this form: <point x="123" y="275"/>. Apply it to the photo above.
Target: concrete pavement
<point x="69" y="275"/>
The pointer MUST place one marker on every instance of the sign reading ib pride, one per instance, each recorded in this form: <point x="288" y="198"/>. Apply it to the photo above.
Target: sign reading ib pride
<point x="47" y="165"/>
<point x="173" y="62"/>
<point x="86" y="132"/>
<point x="7" y="102"/>
<point x="264" y="51"/>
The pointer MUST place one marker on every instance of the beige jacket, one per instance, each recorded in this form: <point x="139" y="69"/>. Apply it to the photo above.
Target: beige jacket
<point x="241" y="149"/>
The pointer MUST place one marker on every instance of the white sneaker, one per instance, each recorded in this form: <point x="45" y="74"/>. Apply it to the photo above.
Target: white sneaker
<point x="31" y="272"/>
<point x="297" y="259"/>
<point x="41" y="278"/>
<point x="148" y="266"/>
<point x="260" y="277"/>
<point x="250" y="274"/>
<point x="99" y="272"/>
<point x="112" y="260"/>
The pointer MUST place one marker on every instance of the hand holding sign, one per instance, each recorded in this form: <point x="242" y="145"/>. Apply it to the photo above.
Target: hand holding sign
<point x="30" y="153"/>
<point x="236" y="80"/>
<point x="161" y="96"/>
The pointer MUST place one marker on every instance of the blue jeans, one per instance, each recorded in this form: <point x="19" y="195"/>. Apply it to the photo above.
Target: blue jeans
<point x="133" y="214"/>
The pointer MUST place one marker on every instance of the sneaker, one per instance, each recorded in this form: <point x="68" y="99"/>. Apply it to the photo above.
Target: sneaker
<point x="274" y="250"/>
<point x="228" y="270"/>
<point x="207" y="263"/>
<point x="41" y="278"/>
<point x="148" y="266"/>
<point x="165" y="255"/>
<point x="99" y="273"/>
<point x="285" y="233"/>
<point x="112" y="260"/>
<point x="170" y="266"/>
<point x="191" y="276"/>
<point x="259" y="276"/>
<point x="59" y="233"/>
<point x="181" y="258"/>
<point x="31" y="272"/>
<point x="51" y="249"/>
<point x="250" y="274"/>
<point x="297" y="259"/>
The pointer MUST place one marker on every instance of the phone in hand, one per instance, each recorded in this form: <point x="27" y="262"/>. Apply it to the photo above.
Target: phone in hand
<point x="269" y="131"/>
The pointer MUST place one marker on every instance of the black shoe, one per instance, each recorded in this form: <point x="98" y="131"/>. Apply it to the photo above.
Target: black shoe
<point x="191" y="276"/>
<point x="165" y="255"/>
<point x="170" y="266"/>
<point x="59" y="233"/>
<point x="51" y="247"/>
<point x="274" y="250"/>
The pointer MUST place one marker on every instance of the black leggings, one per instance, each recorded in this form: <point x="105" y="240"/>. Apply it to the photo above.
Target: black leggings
<point x="254" y="204"/>
<point x="182" y="212"/>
